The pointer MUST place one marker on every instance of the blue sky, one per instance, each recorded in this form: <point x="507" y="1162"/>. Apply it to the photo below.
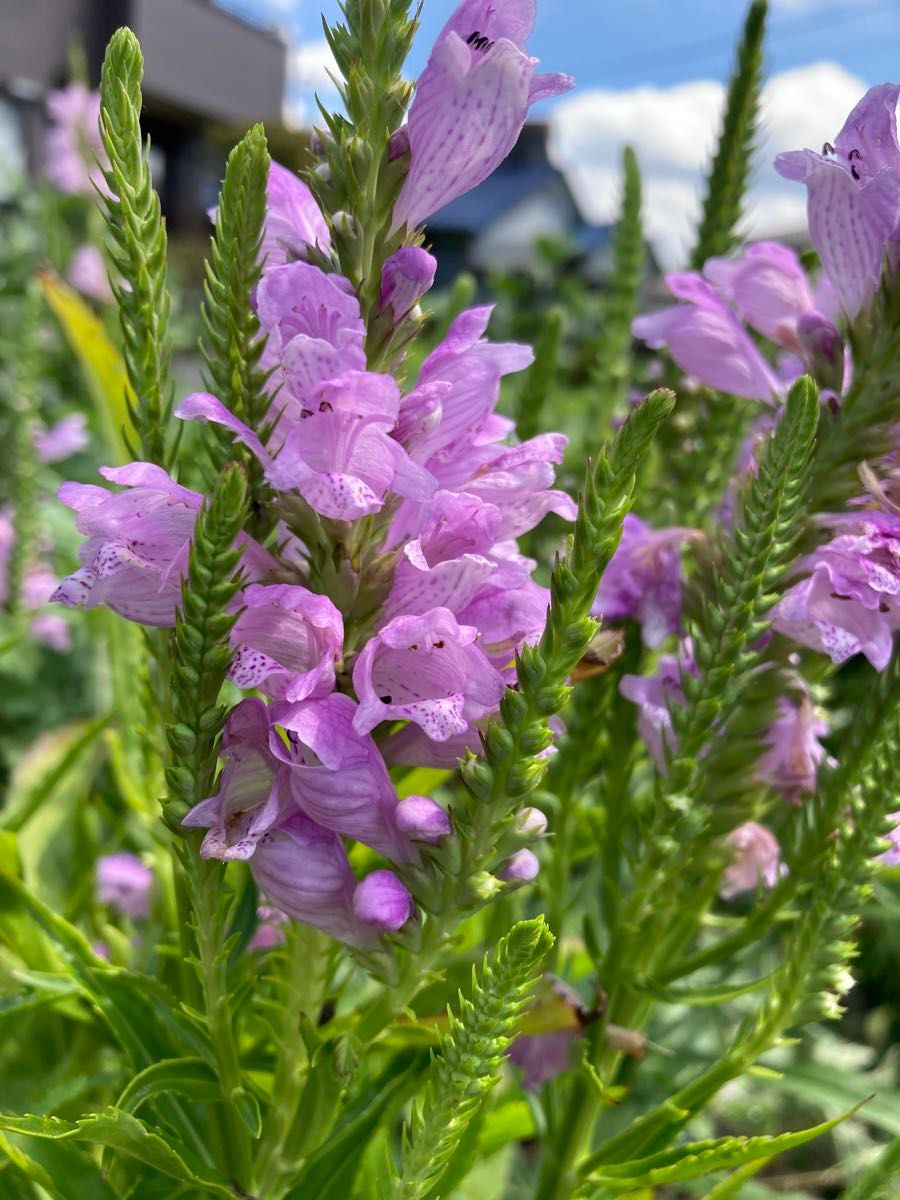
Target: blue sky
<point x="651" y="72"/>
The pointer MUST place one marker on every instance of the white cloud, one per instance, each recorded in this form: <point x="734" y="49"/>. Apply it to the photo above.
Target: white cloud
<point x="309" y="65"/>
<point x="308" y="70"/>
<point x="674" y="131"/>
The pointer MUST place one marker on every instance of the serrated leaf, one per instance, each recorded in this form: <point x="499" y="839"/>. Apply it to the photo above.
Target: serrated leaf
<point x="146" y="1020"/>
<point x="696" y="1159"/>
<point x="330" y="1171"/>
<point x="128" y="1135"/>
<point x="64" y="1172"/>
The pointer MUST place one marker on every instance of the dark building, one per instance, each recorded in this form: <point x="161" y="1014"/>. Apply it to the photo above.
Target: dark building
<point x="497" y="225"/>
<point x="204" y="67"/>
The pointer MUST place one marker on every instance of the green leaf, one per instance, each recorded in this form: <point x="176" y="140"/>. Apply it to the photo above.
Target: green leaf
<point x="44" y="767"/>
<point x="732" y="1187"/>
<point x="15" y="1006"/>
<point x="422" y="781"/>
<point x="696" y="1159"/>
<point x="100" y="362"/>
<point x="712" y="994"/>
<point x="331" y="1170"/>
<point x="126" y="1134"/>
<point x="146" y="1020"/>
<point x="190" y="1077"/>
<point x="64" y="1172"/>
<point x="814" y="1082"/>
<point x="875" y="1180"/>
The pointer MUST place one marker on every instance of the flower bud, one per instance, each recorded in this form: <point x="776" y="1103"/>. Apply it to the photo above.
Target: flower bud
<point x="522" y="868"/>
<point x="406" y="277"/>
<point x="531" y="822"/>
<point x="422" y="819"/>
<point x="382" y="900"/>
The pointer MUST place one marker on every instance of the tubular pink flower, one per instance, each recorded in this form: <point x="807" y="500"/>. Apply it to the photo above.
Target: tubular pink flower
<point x="850" y="602"/>
<point x="853" y="195"/>
<point x="294" y="220"/>
<point x="124" y="883"/>
<point x="794" y="752"/>
<point x="338" y="776"/>
<point x="138" y="543"/>
<point x="406" y="277"/>
<point x="382" y="901"/>
<point x="253" y="793"/>
<point x="470" y="104"/>
<point x="757" y="860"/>
<point x="706" y="340"/>
<point x="74" y="149"/>
<point x="426" y="669"/>
<point x="303" y="870"/>
<point x="286" y="640"/>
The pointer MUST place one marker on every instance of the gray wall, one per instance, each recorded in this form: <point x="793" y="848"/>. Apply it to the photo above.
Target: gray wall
<point x="34" y="39"/>
<point x="204" y="59"/>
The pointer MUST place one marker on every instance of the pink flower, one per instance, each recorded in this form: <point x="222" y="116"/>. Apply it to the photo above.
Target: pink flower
<point x="768" y="287"/>
<point x="794" y="752"/>
<point x="294" y="220"/>
<point x="253" y="790"/>
<point x="74" y="149"/>
<point x="287" y="640"/>
<point x="643" y="580"/>
<point x="426" y="669"/>
<point x="87" y="274"/>
<point x="853" y="195"/>
<point x="303" y="870"/>
<point x="757" y="860"/>
<point x="138" y="543"/>
<point x="891" y="856"/>
<point x="124" y="883"/>
<point x="406" y="277"/>
<point x="470" y="104"/>
<point x="850" y="602"/>
<point x="706" y="340"/>
<point x="383" y="901"/>
<point x="654" y="695"/>
<point x="338" y="776"/>
<point x="61" y="440"/>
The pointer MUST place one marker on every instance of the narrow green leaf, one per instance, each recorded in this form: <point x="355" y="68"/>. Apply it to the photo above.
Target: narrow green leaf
<point x="712" y="994"/>
<point x="44" y="767"/>
<point x="874" y="1182"/>
<point x="65" y="1172"/>
<point x="696" y="1159"/>
<point x="126" y="1134"/>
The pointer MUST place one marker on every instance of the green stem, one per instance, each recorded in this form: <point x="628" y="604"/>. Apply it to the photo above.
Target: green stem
<point x="302" y="982"/>
<point x="205" y="882"/>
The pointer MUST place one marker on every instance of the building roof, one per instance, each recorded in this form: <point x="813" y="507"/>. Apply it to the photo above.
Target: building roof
<point x="474" y="211"/>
